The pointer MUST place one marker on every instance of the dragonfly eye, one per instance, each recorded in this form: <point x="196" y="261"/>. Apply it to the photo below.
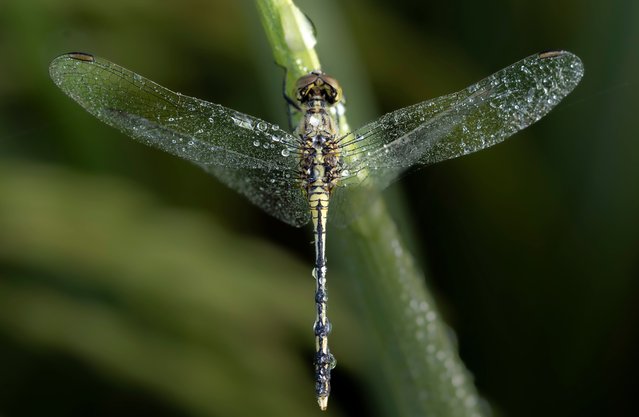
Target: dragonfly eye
<point x="317" y="84"/>
<point x="333" y="89"/>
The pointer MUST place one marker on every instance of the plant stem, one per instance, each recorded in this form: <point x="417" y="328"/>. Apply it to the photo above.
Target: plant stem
<point x="416" y="370"/>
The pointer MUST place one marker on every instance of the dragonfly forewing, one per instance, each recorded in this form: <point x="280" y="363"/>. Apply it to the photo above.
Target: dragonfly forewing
<point x="457" y="124"/>
<point x="219" y="139"/>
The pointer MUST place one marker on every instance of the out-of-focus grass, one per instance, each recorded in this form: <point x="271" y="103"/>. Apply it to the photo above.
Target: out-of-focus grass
<point x="163" y="298"/>
<point x="532" y="245"/>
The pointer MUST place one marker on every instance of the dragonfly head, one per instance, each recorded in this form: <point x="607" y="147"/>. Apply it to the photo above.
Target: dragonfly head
<point x="317" y="85"/>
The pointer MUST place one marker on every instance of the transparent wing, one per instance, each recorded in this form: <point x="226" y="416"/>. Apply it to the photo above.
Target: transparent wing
<point x="273" y="190"/>
<point x="246" y="153"/>
<point x="480" y="116"/>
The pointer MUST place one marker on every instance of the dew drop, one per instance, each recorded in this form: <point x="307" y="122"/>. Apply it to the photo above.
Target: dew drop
<point x="530" y="96"/>
<point x="332" y="361"/>
<point x="256" y="143"/>
<point x="285" y="152"/>
<point x="457" y="380"/>
<point x="246" y="124"/>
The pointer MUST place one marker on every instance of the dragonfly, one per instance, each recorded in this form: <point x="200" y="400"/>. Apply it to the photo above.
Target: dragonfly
<point x="296" y="175"/>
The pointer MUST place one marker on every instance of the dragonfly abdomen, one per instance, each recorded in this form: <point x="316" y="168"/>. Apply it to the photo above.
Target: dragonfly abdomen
<point x="320" y="169"/>
<point x="324" y="361"/>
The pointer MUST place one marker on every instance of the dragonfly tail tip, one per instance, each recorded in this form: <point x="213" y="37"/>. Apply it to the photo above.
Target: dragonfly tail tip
<point x="322" y="400"/>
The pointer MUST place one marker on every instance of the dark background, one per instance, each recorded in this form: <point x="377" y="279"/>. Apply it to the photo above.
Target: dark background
<point x="133" y="284"/>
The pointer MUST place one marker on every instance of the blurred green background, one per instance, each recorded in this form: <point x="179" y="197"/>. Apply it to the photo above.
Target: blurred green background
<point x="131" y="283"/>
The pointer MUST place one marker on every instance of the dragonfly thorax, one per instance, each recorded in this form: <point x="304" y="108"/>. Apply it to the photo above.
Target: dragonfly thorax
<point x="320" y="163"/>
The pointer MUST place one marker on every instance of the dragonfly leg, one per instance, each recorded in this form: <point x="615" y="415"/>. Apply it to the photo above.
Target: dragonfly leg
<point x="290" y="102"/>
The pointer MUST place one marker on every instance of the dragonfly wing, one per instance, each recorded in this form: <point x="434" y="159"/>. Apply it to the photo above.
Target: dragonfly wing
<point x="457" y="124"/>
<point x="204" y="133"/>
<point x="275" y="191"/>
